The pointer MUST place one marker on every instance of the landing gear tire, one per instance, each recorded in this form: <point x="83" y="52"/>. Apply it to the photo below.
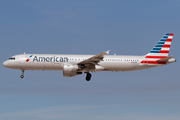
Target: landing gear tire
<point x="22" y="76"/>
<point x="88" y="77"/>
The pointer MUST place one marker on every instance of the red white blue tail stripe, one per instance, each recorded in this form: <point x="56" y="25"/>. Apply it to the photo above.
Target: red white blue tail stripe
<point x="160" y="51"/>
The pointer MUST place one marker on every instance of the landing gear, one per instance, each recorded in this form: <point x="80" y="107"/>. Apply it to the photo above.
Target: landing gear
<point x="22" y="76"/>
<point x="88" y="76"/>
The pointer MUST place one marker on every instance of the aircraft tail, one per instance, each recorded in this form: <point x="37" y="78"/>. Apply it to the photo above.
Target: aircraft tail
<point x="159" y="53"/>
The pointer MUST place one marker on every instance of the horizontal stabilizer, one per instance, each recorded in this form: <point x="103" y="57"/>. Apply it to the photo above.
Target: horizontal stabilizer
<point x="165" y="59"/>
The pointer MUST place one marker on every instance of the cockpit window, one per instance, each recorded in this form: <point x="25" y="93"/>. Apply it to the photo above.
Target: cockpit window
<point x="12" y="58"/>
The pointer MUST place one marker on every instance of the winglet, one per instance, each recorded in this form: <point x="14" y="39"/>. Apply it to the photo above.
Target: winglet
<point x="107" y="52"/>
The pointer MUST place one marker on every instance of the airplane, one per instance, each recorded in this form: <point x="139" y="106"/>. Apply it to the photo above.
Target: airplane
<point x="73" y="65"/>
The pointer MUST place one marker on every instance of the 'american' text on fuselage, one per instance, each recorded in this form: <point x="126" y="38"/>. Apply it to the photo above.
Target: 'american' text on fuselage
<point x="50" y="59"/>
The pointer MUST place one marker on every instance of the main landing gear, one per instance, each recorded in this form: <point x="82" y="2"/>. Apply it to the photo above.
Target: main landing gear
<point x="88" y="76"/>
<point x="22" y="76"/>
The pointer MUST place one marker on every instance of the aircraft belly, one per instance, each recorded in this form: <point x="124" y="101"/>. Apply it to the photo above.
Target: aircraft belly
<point x="116" y="66"/>
<point x="41" y="66"/>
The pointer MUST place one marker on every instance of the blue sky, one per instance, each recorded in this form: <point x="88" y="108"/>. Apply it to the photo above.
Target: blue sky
<point x="125" y="27"/>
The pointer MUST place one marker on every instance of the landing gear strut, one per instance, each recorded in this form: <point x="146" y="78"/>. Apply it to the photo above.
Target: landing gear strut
<point x="22" y="76"/>
<point x="88" y="76"/>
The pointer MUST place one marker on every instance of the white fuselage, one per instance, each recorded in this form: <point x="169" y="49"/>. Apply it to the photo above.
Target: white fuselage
<point x="57" y="61"/>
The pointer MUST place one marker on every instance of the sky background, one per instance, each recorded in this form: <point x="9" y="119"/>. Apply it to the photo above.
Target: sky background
<point x="126" y="27"/>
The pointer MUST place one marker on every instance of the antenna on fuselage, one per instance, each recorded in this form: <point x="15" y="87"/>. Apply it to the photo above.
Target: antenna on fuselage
<point x="24" y="53"/>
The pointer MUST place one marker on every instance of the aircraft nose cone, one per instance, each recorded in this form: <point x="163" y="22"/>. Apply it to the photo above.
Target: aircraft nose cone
<point x="5" y="64"/>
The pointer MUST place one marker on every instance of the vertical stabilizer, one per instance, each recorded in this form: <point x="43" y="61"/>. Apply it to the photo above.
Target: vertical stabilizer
<point x="160" y="50"/>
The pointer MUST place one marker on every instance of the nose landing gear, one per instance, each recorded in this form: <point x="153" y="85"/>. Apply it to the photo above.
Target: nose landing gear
<point x="22" y="76"/>
<point x="88" y="76"/>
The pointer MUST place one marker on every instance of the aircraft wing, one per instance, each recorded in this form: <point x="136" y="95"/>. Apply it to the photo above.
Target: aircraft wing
<point x="165" y="59"/>
<point x="91" y="62"/>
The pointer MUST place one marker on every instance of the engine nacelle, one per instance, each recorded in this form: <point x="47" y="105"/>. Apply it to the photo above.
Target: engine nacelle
<point x="70" y="70"/>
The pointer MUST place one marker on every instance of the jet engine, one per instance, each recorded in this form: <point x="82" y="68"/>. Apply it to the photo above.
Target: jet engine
<point x="70" y="70"/>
